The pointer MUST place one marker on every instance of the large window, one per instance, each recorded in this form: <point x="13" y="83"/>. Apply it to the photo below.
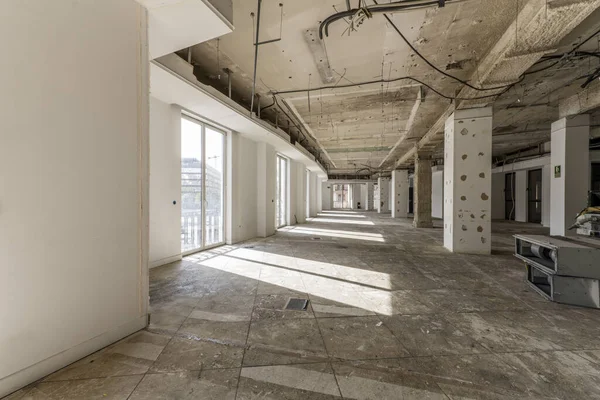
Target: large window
<point x="202" y="174"/>
<point x="341" y="196"/>
<point x="282" y="192"/>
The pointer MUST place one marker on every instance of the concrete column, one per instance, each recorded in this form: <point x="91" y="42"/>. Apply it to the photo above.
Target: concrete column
<point x="400" y="189"/>
<point x="422" y="191"/>
<point x="370" y="193"/>
<point x="468" y="181"/>
<point x="569" y="182"/>
<point x="383" y="188"/>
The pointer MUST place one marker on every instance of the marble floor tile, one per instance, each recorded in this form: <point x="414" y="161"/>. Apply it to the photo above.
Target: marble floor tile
<point x="356" y="338"/>
<point x="189" y="353"/>
<point x="384" y="379"/>
<point x="290" y="382"/>
<point x="114" y="388"/>
<point x="131" y="356"/>
<point x="499" y="334"/>
<point x="430" y="335"/>
<point x="208" y="385"/>
<point x="284" y="341"/>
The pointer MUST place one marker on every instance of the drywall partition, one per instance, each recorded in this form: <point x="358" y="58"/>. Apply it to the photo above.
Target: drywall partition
<point x="74" y="185"/>
<point x="521" y="196"/>
<point x="326" y="196"/>
<point x="315" y="195"/>
<point x="265" y="189"/>
<point x="242" y="194"/>
<point x="356" y="195"/>
<point x="297" y="209"/>
<point x="176" y="24"/>
<point x="165" y="183"/>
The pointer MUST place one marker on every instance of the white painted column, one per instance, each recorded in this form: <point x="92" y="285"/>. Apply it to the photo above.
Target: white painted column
<point x="369" y="196"/>
<point x="400" y="189"/>
<point x="319" y="195"/>
<point x="468" y="181"/>
<point x="265" y="189"/>
<point x="570" y="161"/>
<point x="383" y="189"/>
<point x="546" y="179"/>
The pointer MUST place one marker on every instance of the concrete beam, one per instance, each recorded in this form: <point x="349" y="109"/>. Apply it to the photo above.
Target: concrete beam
<point x="586" y="100"/>
<point x="409" y="125"/>
<point x="538" y="29"/>
<point x="294" y="111"/>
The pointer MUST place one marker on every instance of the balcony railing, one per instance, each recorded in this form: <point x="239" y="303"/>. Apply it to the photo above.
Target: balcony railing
<point x="191" y="230"/>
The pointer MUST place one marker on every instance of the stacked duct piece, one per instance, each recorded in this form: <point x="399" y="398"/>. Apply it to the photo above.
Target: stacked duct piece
<point x="561" y="270"/>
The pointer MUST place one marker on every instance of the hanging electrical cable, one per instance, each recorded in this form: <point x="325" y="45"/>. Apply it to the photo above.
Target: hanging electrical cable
<point x="380" y="81"/>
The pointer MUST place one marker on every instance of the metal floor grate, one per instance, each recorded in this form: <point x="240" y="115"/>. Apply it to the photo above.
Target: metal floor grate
<point x="297" y="304"/>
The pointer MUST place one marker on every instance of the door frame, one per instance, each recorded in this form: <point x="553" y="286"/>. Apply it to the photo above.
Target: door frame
<point x="203" y="124"/>
<point x="529" y="201"/>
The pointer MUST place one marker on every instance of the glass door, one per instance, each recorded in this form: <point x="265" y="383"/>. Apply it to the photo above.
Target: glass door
<point x="509" y="196"/>
<point x="534" y="196"/>
<point x="202" y="188"/>
<point x="281" y="195"/>
<point x="213" y="231"/>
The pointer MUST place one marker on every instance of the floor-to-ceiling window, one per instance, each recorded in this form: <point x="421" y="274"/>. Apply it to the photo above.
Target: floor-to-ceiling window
<point x="342" y="196"/>
<point x="282" y="192"/>
<point x="202" y="174"/>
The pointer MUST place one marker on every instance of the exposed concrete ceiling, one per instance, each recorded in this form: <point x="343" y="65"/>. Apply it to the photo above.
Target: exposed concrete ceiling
<point x="378" y="126"/>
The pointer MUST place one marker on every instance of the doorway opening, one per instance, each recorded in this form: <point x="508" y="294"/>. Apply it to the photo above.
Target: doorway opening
<point x="202" y="186"/>
<point x="342" y="196"/>
<point x="509" y="196"/>
<point x="534" y="196"/>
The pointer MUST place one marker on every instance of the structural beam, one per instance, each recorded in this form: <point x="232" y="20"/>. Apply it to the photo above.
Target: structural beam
<point x="537" y="30"/>
<point x="586" y="100"/>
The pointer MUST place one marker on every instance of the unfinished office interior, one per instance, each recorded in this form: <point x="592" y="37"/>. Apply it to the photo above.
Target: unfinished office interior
<point x="300" y="200"/>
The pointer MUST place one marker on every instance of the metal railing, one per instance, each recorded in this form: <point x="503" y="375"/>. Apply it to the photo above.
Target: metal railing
<point x="191" y="230"/>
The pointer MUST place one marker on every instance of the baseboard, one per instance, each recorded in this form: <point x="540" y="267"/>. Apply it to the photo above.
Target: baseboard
<point x="45" y="367"/>
<point x="163" y="261"/>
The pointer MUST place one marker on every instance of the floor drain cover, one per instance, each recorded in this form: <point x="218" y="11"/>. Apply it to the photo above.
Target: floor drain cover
<point x="297" y="304"/>
<point x="316" y="238"/>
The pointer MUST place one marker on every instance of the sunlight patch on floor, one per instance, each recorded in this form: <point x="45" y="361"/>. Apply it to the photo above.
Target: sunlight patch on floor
<point x="355" y="287"/>
<point x="371" y="237"/>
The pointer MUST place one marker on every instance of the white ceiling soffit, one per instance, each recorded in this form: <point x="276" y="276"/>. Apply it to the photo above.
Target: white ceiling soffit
<point x="176" y="24"/>
<point x="184" y="90"/>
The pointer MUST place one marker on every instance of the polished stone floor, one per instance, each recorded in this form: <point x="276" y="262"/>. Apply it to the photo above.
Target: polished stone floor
<point x="392" y="315"/>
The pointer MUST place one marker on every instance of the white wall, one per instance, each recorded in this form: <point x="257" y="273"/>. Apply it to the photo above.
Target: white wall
<point x="297" y="183"/>
<point x="265" y="187"/>
<point x="73" y="156"/>
<point x="241" y="214"/>
<point x="521" y="196"/>
<point x="165" y="183"/>
<point x="437" y="193"/>
<point x="363" y="196"/>
<point x="327" y="195"/>
<point x="356" y="195"/>
<point x="315" y="195"/>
